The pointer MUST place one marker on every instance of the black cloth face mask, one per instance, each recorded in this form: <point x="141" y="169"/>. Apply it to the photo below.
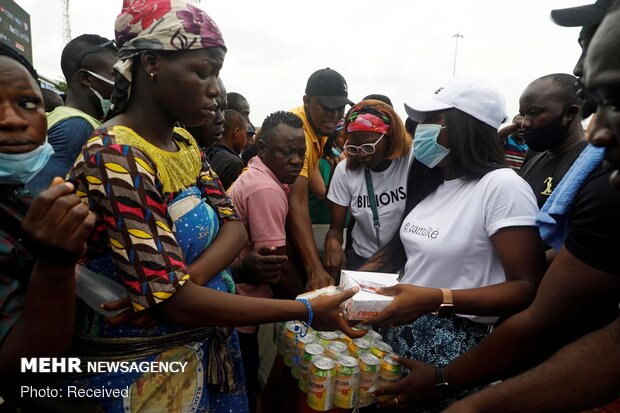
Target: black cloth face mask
<point x="547" y="137"/>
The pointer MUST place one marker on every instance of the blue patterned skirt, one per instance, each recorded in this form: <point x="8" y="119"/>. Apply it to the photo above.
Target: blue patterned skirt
<point x="436" y="341"/>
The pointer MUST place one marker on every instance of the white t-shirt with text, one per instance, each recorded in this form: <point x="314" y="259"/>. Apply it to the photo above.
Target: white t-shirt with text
<point x="447" y="236"/>
<point x="348" y="188"/>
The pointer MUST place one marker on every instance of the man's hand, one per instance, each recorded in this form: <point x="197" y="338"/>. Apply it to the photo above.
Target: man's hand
<point x="418" y="386"/>
<point x="58" y="224"/>
<point x="262" y="266"/>
<point x="334" y="256"/>
<point x="410" y="302"/>
<point x="319" y="279"/>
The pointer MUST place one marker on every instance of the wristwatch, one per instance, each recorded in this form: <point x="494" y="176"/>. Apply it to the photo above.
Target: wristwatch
<point x="446" y="308"/>
<point x="442" y="386"/>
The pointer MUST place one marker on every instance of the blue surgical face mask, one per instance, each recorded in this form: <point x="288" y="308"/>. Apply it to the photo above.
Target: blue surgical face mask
<point x="336" y="150"/>
<point x="425" y="146"/>
<point x="19" y="168"/>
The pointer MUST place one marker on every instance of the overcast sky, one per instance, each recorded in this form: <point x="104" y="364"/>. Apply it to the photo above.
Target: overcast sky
<point x="403" y="49"/>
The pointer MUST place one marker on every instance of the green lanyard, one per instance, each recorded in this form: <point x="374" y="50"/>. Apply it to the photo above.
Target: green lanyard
<point x="373" y="205"/>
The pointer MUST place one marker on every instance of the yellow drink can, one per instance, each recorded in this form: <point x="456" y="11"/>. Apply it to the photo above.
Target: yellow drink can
<point x="347" y="385"/>
<point x="320" y="395"/>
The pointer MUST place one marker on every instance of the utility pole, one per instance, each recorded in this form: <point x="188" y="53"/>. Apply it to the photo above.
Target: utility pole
<point x="66" y="22"/>
<point x="456" y="49"/>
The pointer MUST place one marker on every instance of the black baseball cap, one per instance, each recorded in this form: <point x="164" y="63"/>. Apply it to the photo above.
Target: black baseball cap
<point x="329" y="87"/>
<point x="588" y="15"/>
<point x="251" y="130"/>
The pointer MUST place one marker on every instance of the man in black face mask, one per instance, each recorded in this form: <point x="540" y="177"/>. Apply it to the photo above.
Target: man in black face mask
<point x="552" y="130"/>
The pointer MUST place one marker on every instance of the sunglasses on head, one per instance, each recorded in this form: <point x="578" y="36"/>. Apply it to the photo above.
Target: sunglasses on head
<point x="358" y="110"/>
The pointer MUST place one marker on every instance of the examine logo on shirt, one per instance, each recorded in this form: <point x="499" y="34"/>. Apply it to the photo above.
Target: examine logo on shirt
<point x="382" y="199"/>
<point x="428" y="232"/>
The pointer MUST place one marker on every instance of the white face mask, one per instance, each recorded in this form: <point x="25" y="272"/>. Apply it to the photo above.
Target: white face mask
<point x="105" y="103"/>
<point x="19" y="168"/>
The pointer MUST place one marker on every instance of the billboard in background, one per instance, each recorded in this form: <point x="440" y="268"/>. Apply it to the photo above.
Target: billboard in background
<point x="15" y="28"/>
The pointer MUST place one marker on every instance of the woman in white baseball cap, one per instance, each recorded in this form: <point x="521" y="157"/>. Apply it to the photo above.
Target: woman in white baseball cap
<point x="468" y="241"/>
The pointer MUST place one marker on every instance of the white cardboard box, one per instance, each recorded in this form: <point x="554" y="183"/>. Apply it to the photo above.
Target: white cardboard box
<point x="366" y="303"/>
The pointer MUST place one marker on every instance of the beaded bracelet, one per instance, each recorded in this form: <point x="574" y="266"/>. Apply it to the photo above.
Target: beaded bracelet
<point x="310" y="315"/>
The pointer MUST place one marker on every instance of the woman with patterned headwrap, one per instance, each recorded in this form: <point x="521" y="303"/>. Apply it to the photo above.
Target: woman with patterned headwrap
<point x="379" y="154"/>
<point x="161" y="212"/>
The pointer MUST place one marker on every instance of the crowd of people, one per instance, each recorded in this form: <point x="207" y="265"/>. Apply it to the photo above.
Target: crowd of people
<point x="148" y="173"/>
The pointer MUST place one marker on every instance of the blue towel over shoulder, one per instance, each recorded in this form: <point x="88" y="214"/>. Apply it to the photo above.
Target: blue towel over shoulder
<point x="554" y="217"/>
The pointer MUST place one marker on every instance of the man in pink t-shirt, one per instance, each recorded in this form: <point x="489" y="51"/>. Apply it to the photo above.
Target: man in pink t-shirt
<point x="260" y="195"/>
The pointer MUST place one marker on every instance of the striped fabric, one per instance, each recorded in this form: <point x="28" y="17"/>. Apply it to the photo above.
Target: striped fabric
<point x="128" y="183"/>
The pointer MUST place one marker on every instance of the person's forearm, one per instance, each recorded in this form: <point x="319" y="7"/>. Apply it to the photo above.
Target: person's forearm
<point x="317" y="186"/>
<point x="200" y="306"/>
<point x="302" y="239"/>
<point x="334" y="234"/>
<point x="45" y="327"/>
<point x="289" y="286"/>
<point x="502" y="299"/>
<point x="582" y="375"/>
<point x="506" y="131"/>
<point x="497" y="355"/>
<point x="226" y="246"/>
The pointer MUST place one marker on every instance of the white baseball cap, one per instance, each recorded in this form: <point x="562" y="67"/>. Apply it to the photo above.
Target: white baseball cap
<point x="473" y="95"/>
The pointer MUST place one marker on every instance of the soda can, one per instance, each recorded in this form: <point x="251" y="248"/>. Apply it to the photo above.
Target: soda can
<point x="325" y="337"/>
<point x="369" y="377"/>
<point x="348" y="339"/>
<point x="278" y="335"/>
<point x="380" y="349"/>
<point x="359" y="346"/>
<point x="301" y="344"/>
<point x="320" y="395"/>
<point x="310" y="350"/>
<point x="373" y="336"/>
<point x="390" y="372"/>
<point x="290" y="344"/>
<point x="347" y="382"/>
<point x="340" y="335"/>
<point x="336" y="349"/>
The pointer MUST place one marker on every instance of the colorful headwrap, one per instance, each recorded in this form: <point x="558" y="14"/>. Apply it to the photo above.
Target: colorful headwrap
<point x="367" y="119"/>
<point x="165" y="25"/>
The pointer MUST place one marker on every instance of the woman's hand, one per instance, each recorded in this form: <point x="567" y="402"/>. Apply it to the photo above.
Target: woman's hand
<point x="328" y="315"/>
<point x="410" y="303"/>
<point x="334" y="255"/>
<point x="418" y="386"/>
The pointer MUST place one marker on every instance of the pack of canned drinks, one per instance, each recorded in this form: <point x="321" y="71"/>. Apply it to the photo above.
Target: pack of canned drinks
<point x="334" y="370"/>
